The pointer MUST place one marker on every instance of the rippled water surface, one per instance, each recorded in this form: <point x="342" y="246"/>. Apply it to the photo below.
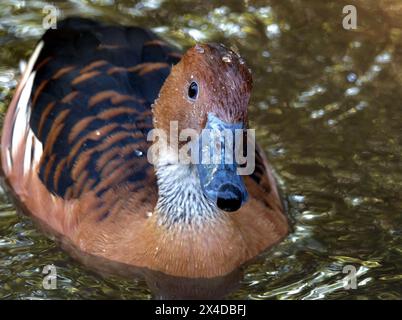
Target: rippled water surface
<point x="327" y="106"/>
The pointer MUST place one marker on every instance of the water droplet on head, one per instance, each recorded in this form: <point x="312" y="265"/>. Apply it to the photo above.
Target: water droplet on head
<point x="199" y="48"/>
<point x="227" y="59"/>
<point x="241" y="61"/>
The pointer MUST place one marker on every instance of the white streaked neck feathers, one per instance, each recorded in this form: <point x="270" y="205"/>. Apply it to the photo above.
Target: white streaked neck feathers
<point x="181" y="199"/>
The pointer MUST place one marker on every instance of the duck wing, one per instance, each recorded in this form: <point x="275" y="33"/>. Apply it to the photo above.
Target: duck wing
<point x="81" y="113"/>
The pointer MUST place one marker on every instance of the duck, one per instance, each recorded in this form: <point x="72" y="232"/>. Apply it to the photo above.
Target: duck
<point x="75" y="151"/>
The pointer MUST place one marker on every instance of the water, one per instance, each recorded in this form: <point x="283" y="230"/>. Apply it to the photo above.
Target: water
<point x="327" y="106"/>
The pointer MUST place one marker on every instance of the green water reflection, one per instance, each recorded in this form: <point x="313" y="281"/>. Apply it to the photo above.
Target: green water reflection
<point x="327" y="106"/>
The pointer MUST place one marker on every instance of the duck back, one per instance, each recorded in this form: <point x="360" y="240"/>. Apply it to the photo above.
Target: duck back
<point x="90" y="105"/>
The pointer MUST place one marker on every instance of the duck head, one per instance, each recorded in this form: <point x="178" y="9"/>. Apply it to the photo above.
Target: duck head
<point x="208" y="89"/>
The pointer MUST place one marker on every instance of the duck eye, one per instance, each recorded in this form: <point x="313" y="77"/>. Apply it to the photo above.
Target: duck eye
<point x="193" y="91"/>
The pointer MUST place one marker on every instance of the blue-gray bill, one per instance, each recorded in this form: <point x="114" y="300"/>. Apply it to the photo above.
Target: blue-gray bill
<point x="217" y="167"/>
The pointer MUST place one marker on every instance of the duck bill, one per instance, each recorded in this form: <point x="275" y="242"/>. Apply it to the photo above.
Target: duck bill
<point x="217" y="167"/>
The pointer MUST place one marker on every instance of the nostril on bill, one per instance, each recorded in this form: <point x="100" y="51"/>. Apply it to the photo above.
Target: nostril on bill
<point x="229" y="198"/>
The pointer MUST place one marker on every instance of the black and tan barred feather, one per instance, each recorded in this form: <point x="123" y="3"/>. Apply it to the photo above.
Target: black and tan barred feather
<point x="91" y="105"/>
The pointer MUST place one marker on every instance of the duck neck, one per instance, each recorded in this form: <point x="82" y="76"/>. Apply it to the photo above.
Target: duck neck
<point x="181" y="199"/>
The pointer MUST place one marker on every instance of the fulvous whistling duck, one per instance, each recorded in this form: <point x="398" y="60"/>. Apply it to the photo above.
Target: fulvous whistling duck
<point x="74" y="151"/>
